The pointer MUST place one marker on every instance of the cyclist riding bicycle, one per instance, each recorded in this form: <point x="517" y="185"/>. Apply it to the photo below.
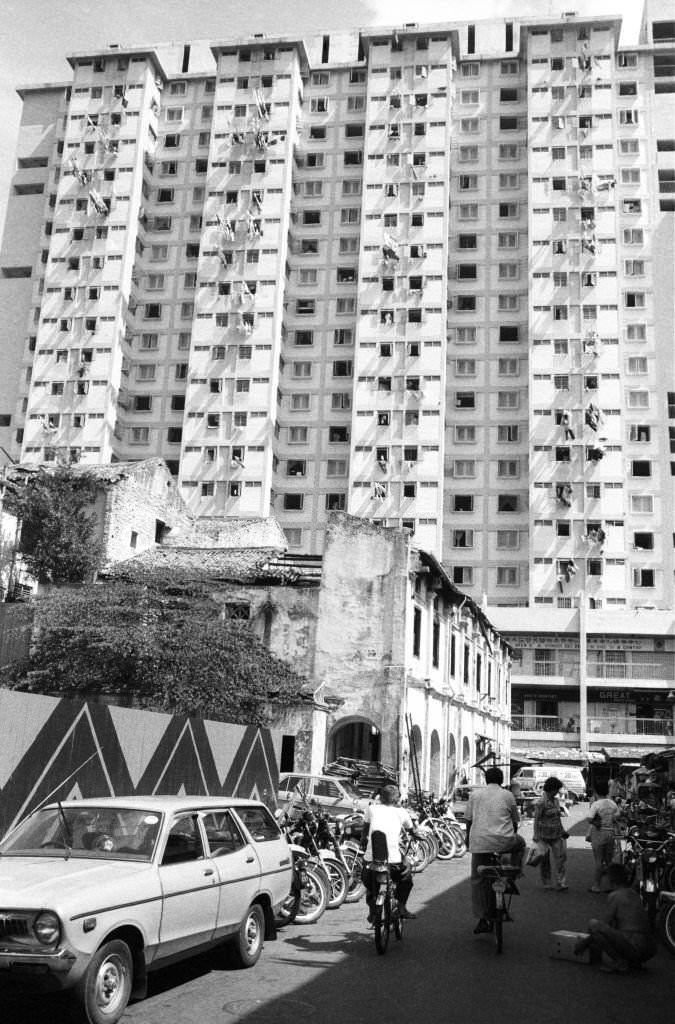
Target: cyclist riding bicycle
<point x="492" y="820"/>
<point x="388" y="818"/>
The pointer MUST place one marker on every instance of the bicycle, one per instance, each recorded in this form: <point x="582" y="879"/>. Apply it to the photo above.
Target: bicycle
<point x="501" y="878"/>
<point x="385" y="910"/>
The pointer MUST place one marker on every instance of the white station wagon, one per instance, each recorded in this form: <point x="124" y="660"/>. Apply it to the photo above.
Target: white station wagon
<point x="96" y="893"/>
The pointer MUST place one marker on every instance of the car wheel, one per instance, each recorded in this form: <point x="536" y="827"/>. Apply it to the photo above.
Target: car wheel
<point x="247" y="944"/>
<point x="105" y="987"/>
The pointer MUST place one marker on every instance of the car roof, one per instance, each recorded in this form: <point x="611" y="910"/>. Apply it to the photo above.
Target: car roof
<point x="159" y="803"/>
<point x="311" y="775"/>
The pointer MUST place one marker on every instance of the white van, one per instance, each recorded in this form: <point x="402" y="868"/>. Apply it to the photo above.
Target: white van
<point x="534" y="776"/>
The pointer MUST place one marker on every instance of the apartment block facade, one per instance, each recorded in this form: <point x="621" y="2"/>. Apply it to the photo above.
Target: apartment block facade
<point x="422" y="275"/>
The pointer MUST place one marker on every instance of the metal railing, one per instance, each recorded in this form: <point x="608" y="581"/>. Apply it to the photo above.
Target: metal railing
<point x="624" y="725"/>
<point x="637" y="668"/>
<point x="537" y="723"/>
<point x="629" y="726"/>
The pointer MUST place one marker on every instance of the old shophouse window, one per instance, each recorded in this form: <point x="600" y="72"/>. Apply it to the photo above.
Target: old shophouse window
<point x="237" y="611"/>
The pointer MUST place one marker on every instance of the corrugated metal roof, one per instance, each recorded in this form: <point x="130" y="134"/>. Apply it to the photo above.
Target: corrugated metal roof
<point x="559" y="754"/>
<point x="226" y="565"/>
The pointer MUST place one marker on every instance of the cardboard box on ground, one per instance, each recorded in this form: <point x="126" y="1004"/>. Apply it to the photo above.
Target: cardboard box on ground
<point x="562" y="943"/>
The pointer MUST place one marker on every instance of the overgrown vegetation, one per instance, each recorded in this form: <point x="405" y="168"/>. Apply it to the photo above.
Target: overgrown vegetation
<point x="163" y="647"/>
<point x="58" y="539"/>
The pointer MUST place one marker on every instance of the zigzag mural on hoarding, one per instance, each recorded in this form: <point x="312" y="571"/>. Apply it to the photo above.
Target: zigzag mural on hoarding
<point x="56" y="748"/>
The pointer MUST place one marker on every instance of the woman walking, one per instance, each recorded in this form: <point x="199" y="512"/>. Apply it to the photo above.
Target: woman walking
<point x="602" y="815"/>
<point x="548" y="829"/>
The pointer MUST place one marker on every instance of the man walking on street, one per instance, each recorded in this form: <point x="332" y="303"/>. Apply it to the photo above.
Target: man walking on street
<point x="492" y="821"/>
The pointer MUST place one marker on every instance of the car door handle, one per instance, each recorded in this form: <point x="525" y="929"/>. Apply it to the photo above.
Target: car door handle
<point x="284" y="862"/>
<point x="250" y="860"/>
<point x="208" y="871"/>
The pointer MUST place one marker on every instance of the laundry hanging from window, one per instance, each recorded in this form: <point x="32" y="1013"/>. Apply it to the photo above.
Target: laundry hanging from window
<point x="226" y="226"/>
<point x="563" y="493"/>
<point x="596" y="452"/>
<point x="390" y="248"/>
<point x="98" y="202"/>
<point x="596" y="535"/>
<point x="566" y="424"/>
<point x="591" y="343"/>
<point x="592" y="416"/>
<point x="84" y="177"/>
<point x="261" y="105"/>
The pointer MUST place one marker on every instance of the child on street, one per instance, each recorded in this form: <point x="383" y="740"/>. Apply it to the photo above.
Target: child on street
<point x="548" y="829"/>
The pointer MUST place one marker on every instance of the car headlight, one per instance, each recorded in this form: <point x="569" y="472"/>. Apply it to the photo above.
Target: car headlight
<point x="47" y="928"/>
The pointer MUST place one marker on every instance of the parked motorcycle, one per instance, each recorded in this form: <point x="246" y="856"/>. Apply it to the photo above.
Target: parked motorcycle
<point x="304" y="832"/>
<point x="309" y="893"/>
<point x="649" y="864"/>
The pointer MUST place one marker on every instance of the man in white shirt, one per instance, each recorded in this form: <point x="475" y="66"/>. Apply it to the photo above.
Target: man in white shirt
<point x="387" y="818"/>
<point x="492" y="821"/>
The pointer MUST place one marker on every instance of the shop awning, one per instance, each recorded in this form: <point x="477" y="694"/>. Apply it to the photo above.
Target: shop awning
<point x="556" y="755"/>
<point x="626" y="753"/>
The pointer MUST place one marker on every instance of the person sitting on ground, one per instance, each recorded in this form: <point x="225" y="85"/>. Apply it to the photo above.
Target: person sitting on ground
<point x="549" y="830"/>
<point x="492" y="820"/>
<point x="388" y="818"/>
<point x="623" y="934"/>
<point x="602" y="815"/>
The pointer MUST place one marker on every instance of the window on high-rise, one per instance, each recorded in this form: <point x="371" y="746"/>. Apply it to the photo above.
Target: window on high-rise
<point x="508" y="503"/>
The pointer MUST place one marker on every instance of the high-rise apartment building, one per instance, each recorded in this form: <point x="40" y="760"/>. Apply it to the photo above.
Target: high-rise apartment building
<point x="424" y="275"/>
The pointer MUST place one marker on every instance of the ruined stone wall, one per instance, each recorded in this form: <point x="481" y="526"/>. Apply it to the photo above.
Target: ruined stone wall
<point x="134" y="503"/>
<point x="360" y="641"/>
<point x="283" y="617"/>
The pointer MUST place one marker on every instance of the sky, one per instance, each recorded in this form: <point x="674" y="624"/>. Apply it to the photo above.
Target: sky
<point x="37" y="35"/>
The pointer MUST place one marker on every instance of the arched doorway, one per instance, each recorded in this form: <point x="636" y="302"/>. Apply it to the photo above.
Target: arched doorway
<point x="435" y="763"/>
<point x="416" y="756"/>
<point x="452" y="763"/>
<point x="466" y="758"/>
<point x="356" y="738"/>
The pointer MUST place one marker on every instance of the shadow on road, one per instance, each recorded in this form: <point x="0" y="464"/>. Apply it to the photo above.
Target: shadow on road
<point x="331" y="971"/>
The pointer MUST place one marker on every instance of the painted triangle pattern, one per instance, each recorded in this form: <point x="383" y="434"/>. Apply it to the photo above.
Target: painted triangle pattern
<point x="88" y="750"/>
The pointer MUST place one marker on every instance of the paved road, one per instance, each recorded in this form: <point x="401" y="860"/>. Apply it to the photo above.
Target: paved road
<point x="330" y="972"/>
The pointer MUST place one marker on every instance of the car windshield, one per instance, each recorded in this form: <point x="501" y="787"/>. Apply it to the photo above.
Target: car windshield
<point x="321" y="784"/>
<point x="102" y="833"/>
<point x="350" y="789"/>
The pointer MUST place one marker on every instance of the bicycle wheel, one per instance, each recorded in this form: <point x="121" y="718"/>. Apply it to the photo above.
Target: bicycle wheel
<point x="418" y="852"/>
<point x="666" y="927"/>
<point x="447" y="848"/>
<point x="356" y="887"/>
<point x="314" y="897"/>
<point x="669" y="878"/>
<point x="460" y="841"/>
<point x="383" y="923"/>
<point x="338" y="882"/>
<point x="289" y="909"/>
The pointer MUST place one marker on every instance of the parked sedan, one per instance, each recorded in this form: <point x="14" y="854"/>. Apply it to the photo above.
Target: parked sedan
<point x="333" y="793"/>
<point x="94" y="894"/>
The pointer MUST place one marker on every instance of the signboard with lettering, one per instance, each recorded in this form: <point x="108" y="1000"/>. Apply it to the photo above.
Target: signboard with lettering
<point x="570" y="642"/>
